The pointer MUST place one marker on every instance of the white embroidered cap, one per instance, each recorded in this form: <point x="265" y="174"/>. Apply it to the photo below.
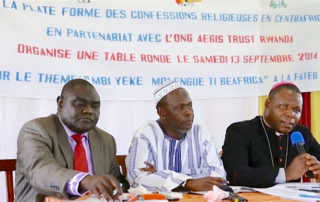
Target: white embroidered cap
<point x="164" y="90"/>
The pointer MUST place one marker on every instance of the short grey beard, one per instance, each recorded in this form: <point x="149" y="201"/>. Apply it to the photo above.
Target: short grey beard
<point x="182" y="131"/>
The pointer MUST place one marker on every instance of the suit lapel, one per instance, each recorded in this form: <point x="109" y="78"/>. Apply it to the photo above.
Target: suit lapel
<point x="64" y="143"/>
<point x="96" y="146"/>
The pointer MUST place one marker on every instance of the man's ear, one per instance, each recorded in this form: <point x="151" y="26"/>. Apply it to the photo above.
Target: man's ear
<point x="161" y="111"/>
<point x="59" y="102"/>
<point x="267" y="103"/>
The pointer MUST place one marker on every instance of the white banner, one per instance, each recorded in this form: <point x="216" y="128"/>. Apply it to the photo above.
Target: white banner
<point x="216" y="48"/>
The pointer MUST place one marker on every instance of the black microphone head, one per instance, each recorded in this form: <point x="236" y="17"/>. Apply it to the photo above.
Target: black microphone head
<point x="296" y="138"/>
<point x="226" y="188"/>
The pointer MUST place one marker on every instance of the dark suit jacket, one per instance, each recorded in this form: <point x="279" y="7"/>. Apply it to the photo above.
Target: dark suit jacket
<point x="246" y="155"/>
<point x="45" y="159"/>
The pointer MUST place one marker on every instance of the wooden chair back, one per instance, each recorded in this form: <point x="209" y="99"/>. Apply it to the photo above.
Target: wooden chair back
<point x="122" y="164"/>
<point x="8" y="166"/>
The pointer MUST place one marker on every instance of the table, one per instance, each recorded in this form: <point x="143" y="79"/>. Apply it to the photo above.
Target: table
<point x="252" y="197"/>
<point x="257" y="196"/>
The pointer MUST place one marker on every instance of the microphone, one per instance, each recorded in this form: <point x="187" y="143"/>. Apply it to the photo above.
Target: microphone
<point x="298" y="142"/>
<point x="233" y="196"/>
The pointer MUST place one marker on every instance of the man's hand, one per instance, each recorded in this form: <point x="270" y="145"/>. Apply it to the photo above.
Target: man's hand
<point x="204" y="184"/>
<point x="298" y="167"/>
<point x="314" y="166"/>
<point x="101" y="186"/>
<point x="150" y="168"/>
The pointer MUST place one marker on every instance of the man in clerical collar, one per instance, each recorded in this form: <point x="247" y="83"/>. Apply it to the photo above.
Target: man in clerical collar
<point x="177" y="152"/>
<point x="259" y="152"/>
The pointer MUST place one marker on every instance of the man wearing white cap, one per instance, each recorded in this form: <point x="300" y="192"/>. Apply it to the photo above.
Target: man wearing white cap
<point x="176" y="151"/>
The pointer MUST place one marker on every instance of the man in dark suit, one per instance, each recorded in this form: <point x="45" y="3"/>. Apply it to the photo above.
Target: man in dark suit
<point x="46" y="148"/>
<point x="258" y="152"/>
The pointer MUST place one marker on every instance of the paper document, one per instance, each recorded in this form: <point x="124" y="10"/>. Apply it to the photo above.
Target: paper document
<point x="293" y="191"/>
<point x="241" y="189"/>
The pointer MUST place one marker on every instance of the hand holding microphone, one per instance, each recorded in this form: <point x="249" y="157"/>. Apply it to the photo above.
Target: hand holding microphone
<point x="297" y="140"/>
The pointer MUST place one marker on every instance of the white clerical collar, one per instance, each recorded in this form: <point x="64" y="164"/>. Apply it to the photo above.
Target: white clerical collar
<point x="264" y="121"/>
